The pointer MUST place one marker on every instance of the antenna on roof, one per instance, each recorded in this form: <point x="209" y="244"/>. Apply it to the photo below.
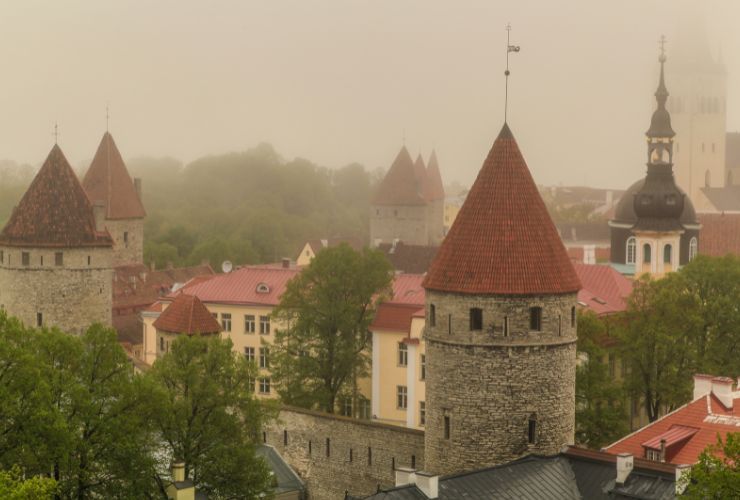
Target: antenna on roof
<point x="227" y="266"/>
<point x="509" y="48"/>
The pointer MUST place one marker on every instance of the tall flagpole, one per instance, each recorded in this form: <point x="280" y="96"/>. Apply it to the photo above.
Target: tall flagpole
<point x="509" y="48"/>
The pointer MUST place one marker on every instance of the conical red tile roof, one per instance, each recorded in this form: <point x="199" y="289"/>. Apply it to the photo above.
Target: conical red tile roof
<point x="420" y="170"/>
<point x="433" y="187"/>
<point x="503" y="241"/>
<point x="187" y="315"/>
<point x="54" y="211"/>
<point x="400" y="186"/>
<point x="108" y="180"/>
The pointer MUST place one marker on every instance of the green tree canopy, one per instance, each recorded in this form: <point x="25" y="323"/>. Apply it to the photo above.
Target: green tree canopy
<point x="327" y="310"/>
<point x="13" y="486"/>
<point x="717" y="473"/>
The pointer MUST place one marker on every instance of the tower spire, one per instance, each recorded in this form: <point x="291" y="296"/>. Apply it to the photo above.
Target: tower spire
<point x="661" y="93"/>
<point x="509" y="48"/>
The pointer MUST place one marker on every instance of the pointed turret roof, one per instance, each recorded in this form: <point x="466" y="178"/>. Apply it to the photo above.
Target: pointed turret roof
<point x="433" y="188"/>
<point x="400" y="185"/>
<point x="187" y="315"/>
<point x="108" y="180"/>
<point x="54" y="211"/>
<point x="503" y="241"/>
<point x="420" y="169"/>
<point x="660" y="123"/>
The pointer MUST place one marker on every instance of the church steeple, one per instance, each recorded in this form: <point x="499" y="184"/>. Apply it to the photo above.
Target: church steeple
<point x="660" y="134"/>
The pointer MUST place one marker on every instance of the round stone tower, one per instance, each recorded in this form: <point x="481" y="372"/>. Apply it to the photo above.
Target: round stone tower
<point x="55" y="264"/>
<point x="501" y="326"/>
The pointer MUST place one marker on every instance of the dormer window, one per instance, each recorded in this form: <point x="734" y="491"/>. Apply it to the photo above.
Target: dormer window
<point x="646" y="199"/>
<point x="670" y="199"/>
<point x="263" y="288"/>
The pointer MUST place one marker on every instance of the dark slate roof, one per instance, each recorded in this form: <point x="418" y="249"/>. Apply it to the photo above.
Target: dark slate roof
<point x="413" y="259"/>
<point x="724" y="199"/>
<point x="574" y="474"/>
<point x="287" y="479"/>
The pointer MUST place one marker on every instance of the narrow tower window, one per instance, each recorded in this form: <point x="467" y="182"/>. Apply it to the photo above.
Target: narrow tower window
<point x="476" y="318"/>
<point x="573" y="317"/>
<point x="125" y="239"/>
<point x="432" y="315"/>
<point x="506" y="326"/>
<point x="58" y="258"/>
<point x="646" y="253"/>
<point x="449" y="324"/>
<point x="25" y="258"/>
<point x="532" y="429"/>
<point x="631" y="250"/>
<point x="447" y="427"/>
<point x="39" y="319"/>
<point x="667" y="253"/>
<point x="328" y="447"/>
<point x="535" y="319"/>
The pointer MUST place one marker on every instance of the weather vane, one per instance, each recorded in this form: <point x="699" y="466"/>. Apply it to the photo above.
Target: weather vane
<point x="509" y="48"/>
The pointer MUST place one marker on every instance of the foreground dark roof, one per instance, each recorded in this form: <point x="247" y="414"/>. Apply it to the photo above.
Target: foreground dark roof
<point x="503" y="241"/>
<point x="54" y="211"/>
<point x="108" y="180"/>
<point x="574" y="474"/>
<point x="285" y="477"/>
<point x="414" y="259"/>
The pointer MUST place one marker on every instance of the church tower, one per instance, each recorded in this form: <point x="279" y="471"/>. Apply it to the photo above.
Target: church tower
<point x="655" y="229"/>
<point x="501" y="326"/>
<point x="55" y="262"/>
<point x="109" y="186"/>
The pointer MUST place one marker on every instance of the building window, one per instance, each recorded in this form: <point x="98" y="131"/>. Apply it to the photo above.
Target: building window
<point x="703" y="149"/>
<point x="423" y="367"/>
<point x="560" y="324"/>
<point x="422" y="413"/>
<point x="506" y="326"/>
<point x="125" y="239"/>
<point x="41" y="261"/>
<point x="693" y="248"/>
<point x="535" y="319"/>
<point x="346" y="409"/>
<point x="631" y="250"/>
<point x="646" y="253"/>
<point x="226" y="322"/>
<point x="265" y="385"/>
<point x="25" y="258"/>
<point x="653" y="455"/>
<point x="264" y="325"/>
<point x="264" y="361"/>
<point x="364" y="409"/>
<point x="328" y="447"/>
<point x="573" y="317"/>
<point x="249" y="324"/>
<point x="413" y="461"/>
<point x="309" y="447"/>
<point x="401" y="397"/>
<point x="612" y="365"/>
<point x="532" y="429"/>
<point x="58" y="258"/>
<point x="161" y="343"/>
<point x="249" y="354"/>
<point x="39" y="319"/>
<point x="476" y="318"/>
<point x="432" y="315"/>
<point x="447" y="427"/>
<point x="350" y="455"/>
<point x="89" y="260"/>
<point x="403" y="354"/>
<point x="667" y="253"/>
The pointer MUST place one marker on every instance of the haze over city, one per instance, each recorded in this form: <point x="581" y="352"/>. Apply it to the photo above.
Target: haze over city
<point x="341" y="82"/>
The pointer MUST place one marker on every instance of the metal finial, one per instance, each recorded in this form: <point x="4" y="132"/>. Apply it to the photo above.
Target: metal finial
<point x="56" y="133"/>
<point x="662" y="58"/>
<point x="107" y="117"/>
<point x="509" y="48"/>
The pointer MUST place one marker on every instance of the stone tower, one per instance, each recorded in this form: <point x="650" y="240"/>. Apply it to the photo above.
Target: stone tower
<point x="55" y="263"/>
<point x="408" y="205"/>
<point x="109" y="185"/>
<point x="655" y="229"/>
<point x="501" y="326"/>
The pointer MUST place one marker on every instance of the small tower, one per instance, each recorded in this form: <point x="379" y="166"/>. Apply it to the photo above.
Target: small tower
<point x="109" y="185"/>
<point x="55" y="263"/>
<point x="655" y="229"/>
<point x="434" y="192"/>
<point x="501" y="326"/>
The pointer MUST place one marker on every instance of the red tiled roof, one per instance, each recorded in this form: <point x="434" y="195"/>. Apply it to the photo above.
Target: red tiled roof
<point x="394" y="317"/>
<point x="674" y="435"/>
<point x="719" y="235"/>
<point x="400" y="185"/>
<point x="433" y="187"/>
<point x="54" y="211"/>
<point x="135" y="285"/>
<point x="420" y="170"/>
<point x="605" y="290"/>
<point x="240" y="286"/>
<point x="706" y="414"/>
<point x="187" y="315"/>
<point x="408" y="289"/>
<point x="107" y="180"/>
<point x="503" y="240"/>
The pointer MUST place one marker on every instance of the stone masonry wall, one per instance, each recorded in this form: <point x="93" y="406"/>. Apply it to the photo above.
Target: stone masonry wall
<point x="407" y="223"/>
<point x="131" y="252"/>
<point x="489" y="385"/>
<point x="361" y="454"/>
<point x="71" y="297"/>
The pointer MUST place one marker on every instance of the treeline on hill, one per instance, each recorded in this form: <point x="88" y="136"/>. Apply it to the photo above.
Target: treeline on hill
<point x="249" y="207"/>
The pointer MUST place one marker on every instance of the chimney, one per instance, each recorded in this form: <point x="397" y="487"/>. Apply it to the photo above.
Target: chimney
<point x="99" y="214"/>
<point x="682" y="478"/>
<point x="702" y="385"/>
<point x="722" y="388"/>
<point x="286" y="263"/>
<point x="137" y="187"/>
<point x="405" y="476"/>
<point x="178" y="472"/>
<point x="625" y="463"/>
<point x="662" y="450"/>
<point x="428" y="484"/>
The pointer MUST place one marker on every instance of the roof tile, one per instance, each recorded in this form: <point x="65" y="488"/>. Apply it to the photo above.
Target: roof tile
<point x="187" y="315"/>
<point x="400" y="186"/>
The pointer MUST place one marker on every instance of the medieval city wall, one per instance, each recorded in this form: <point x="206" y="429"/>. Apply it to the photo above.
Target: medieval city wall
<point x="407" y="223"/>
<point x="334" y="454"/>
<point x="71" y="296"/>
<point x="128" y="250"/>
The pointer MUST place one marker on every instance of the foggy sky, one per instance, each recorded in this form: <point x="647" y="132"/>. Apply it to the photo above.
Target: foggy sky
<point x="338" y="81"/>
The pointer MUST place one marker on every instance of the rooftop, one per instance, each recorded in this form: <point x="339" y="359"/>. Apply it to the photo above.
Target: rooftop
<point x="409" y="258"/>
<point x="400" y="186"/>
<point x="187" y="315"/>
<point x="605" y="290"/>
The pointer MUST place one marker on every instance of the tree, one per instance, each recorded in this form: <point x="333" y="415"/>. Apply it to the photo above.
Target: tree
<point x="206" y="416"/>
<point x="600" y="414"/>
<point x="327" y="310"/>
<point x="13" y="486"/>
<point x="657" y="343"/>
<point x="717" y="473"/>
